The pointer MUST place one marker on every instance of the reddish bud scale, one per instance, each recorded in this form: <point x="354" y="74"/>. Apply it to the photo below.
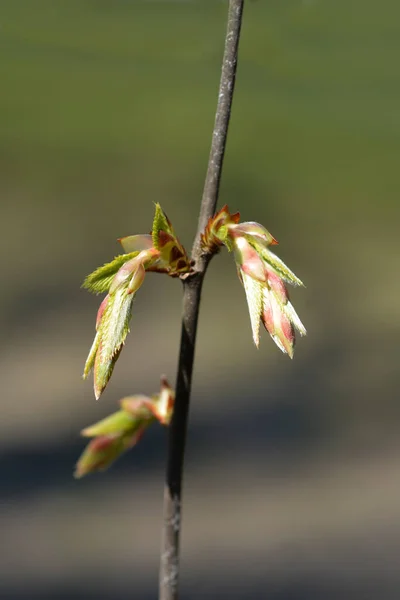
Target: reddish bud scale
<point x="209" y="238"/>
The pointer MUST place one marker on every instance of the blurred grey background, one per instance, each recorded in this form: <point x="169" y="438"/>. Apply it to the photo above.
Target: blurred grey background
<point x="292" y="488"/>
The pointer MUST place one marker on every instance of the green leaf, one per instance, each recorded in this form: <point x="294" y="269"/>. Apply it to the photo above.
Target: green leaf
<point x="113" y="329"/>
<point x="100" y="280"/>
<point x="119" y="423"/>
<point x="278" y="265"/>
<point x="101" y="452"/>
<point x="92" y="356"/>
<point x="160" y="223"/>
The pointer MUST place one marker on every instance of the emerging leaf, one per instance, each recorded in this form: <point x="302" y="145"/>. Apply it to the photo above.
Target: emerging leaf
<point x="101" y="452"/>
<point x="255" y="232"/>
<point x="160" y="223"/>
<point x="294" y="318"/>
<point x="113" y="317"/>
<point x="134" y="271"/>
<point x="113" y="329"/>
<point x="100" y="280"/>
<point x="279" y="266"/>
<point x="262" y="273"/>
<point x="160" y="405"/>
<point x="124" y="428"/>
<point x="161" y="252"/>
<point x="173" y="257"/>
<point x="254" y="291"/>
<point x="136" y="243"/>
<point x="113" y="436"/>
<point x="120" y="422"/>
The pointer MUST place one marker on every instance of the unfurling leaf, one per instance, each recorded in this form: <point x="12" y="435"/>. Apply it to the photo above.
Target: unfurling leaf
<point x="173" y="257"/>
<point x="120" y="422"/>
<point x="262" y="273"/>
<point x="123" y="429"/>
<point x="279" y="267"/>
<point x="113" y="317"/>
<point x="136" y="243"/>
<point x="101" y="452"/>
<point x="254" y="293"/>
<point x="100" y="280"/>
<point x="112" y="332"/>
<point x="160" y="252"/>
<point x="160" y="223"/>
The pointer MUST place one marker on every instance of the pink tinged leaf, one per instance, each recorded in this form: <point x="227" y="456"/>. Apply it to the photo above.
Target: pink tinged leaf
<point x="137" y="280"/>
<point x="90" y="361"/>
<point x="134" y="243"/>
<point x="277" y="285"/>
<point x="267" y="316"/>
<point x="102" y="451"/>
<point x="255" y="232"/>
<point x="248" y="259"/>
<point x="125" y="272"/>
<point x="138" y="406"/>
<point x="143" y="407"/>
<point x="277" y="323"/>
<point x="254" y="295"/>
<point x="101" y="310"/>
<point x="113" y="329"/>
<point x="137" y="436"/>
<point x="98" y="455"/>
<point x="285" y="333"/>
<point x="134" y="269"/>
<point x="157" y="407"/>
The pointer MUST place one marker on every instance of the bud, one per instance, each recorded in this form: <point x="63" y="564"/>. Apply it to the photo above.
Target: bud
<point x="263" y="275"/>
<point x="216" y="230"/>
<point x="161" y="252"/>
<point x="255" y="232"/>
<point x="123" y="429"/>
<point x="113" y="317"/>
<point x="102" y="451"/>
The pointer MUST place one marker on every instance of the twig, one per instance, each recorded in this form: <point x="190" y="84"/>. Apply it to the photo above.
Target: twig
<point x="169" y="569"/>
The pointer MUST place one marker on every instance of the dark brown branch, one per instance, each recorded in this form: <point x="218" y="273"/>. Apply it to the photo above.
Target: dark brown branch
<point x="169" y="568"/>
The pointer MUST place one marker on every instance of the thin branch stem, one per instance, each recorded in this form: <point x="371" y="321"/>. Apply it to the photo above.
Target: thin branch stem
<point x="222" y="116"/>
<point x="169" y="568"/>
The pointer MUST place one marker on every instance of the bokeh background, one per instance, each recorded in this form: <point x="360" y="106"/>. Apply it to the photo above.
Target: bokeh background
<point x="292" y="487"/>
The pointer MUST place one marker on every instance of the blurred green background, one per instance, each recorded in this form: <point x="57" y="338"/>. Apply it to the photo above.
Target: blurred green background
<point x="292" y="487"/>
